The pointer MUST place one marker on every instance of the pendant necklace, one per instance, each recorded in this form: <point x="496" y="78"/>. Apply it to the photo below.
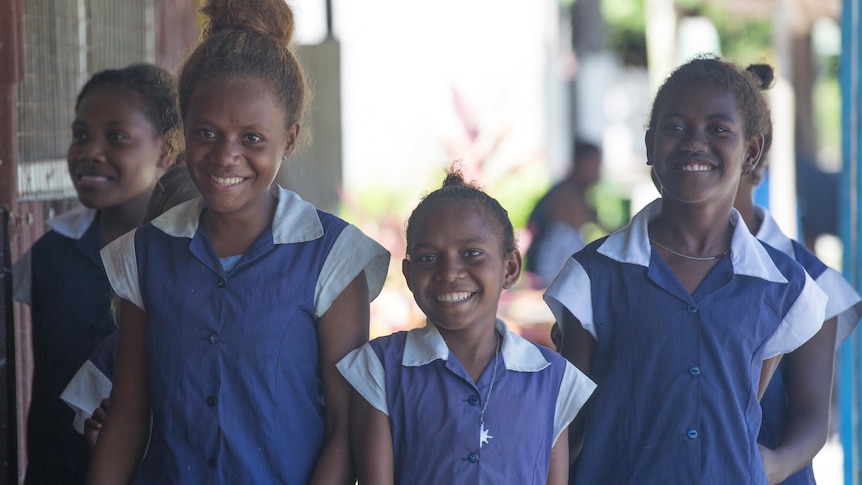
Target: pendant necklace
<point x="484" y="435"/>
<point x="693" y="258"/>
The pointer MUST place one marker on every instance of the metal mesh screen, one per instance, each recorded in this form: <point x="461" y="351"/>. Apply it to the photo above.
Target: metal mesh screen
<point x="65" y="41"/>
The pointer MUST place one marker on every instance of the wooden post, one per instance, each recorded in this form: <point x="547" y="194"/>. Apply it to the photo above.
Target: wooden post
<point x="11" y="73"/>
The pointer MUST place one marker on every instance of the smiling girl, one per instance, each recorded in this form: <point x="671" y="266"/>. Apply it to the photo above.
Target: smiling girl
<point x="123" y="137"/>
<point x="463" y="399"/>
<point x="680" y="317"/>
<point x="237" y="306"/>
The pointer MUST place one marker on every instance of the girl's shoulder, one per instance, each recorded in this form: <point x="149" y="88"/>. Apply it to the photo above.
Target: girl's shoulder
<point x="812" y="264"/>
<point x="788" y="265"/>
<point x="390" y="348"/>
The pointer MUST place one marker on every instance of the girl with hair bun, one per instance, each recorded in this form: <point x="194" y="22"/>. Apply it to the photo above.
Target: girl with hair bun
<point x="797" y="401"/>
<point x="462" y="399"/>
<point x="237" y="306"/>
<point x="681" y="316"/>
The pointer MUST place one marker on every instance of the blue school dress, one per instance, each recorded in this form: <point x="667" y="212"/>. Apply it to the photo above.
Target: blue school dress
<point x="434" y="407"/>
<point x="844" y="303"/>
<point x="62" y="279"/>
<point x="678" y="373"/>
<point x="234" y="380"/>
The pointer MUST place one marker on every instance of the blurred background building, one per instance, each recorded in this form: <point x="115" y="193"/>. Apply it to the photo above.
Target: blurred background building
<point x="403" y="89"/>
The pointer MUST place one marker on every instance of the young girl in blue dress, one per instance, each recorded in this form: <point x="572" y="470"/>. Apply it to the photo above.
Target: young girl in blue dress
<point x="797" y="402"/>
<point x="237" y="306"/>
<point x="463" y="399"/>
<point x="123" y="137"/>
<point x="681" y="316"/>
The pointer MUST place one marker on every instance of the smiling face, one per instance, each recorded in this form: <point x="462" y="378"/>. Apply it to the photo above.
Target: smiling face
<point x="235" y="141"/>
<point x="698" y="146"/>
<point x="116" y="154"/>
<point x="457" y="267"/>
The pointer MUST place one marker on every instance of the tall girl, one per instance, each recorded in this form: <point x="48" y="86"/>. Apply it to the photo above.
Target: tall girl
<point x="463" y="399"/>
<point x="680" y="316"/>
<point x="124" y="136"/>
<point x="237" y="306"/>
<point x="797" y="401"/>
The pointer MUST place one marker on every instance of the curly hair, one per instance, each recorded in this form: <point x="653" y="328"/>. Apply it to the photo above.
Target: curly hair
<point x="248" y="39"/>
<point x="454" y="188"/>
<point x="745" y="84"/>
<point x="158" y="88"/>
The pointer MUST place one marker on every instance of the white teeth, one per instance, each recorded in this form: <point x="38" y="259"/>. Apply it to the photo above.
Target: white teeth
<point x="453" y="297"/>
<point x="93" y="178"/>
<point x="226" y="180"/>
<point x="696" y="167"/>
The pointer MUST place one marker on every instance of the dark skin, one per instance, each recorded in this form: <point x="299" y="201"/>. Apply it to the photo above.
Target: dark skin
<point x="118" y="220"/>
<point x="236" y="139"/>
<point x="810" y="371"/>
<point x="456" y="252"/>
<point x="699" y="151"/>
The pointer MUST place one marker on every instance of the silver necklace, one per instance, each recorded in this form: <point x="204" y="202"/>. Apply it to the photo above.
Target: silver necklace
<point x="484" y="435"/>
<point x="693" y="258"/>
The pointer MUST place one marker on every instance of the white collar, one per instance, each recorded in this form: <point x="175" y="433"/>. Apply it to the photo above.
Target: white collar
<point x="425" y="345"/>
<point x="771" y="234"/>
<point x="74" y="223"/>
<point x="295" y="220"/>
<point x="748" y="256"/>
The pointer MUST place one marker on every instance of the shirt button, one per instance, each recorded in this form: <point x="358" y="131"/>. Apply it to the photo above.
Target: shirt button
<point x="694" y="371"/>
<point x="213" y="338"/>
<point x="691" y="309"/>
<point x="221" y="283"/>
<point x="473" y="457"/>
<point x="212" y="400"/>
<point x="473" y="400"/>
<point x="692" y="434"/>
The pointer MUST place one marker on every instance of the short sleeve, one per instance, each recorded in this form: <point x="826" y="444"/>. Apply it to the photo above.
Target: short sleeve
<point x="22" y="279"/>
<point x="844" y="303"/>
<point x="571" y="290"/>
<point x="85" y="392"/>
<point x="352" y="253"/>
<point x="121" y="266"/>
<point x="575" y="389"/>
<point x="801" y="322"/>
<point x="363" y="370"/>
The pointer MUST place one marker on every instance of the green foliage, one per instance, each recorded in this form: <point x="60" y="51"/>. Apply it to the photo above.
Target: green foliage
<point x="827" y="111"/>
<point x="612" y="211"/>
<point x="744" y="42"/>
<point x="625" y="22"/>
<point x="518" y="195"/>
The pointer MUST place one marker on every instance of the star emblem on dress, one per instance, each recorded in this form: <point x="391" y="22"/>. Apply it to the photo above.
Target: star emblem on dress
<point x="484" y="437"/>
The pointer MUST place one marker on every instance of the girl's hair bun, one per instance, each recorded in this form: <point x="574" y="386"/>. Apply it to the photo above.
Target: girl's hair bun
<point x="764" y="74"/>
<point x="271" y="17"/>
<point x="453" y="178"/>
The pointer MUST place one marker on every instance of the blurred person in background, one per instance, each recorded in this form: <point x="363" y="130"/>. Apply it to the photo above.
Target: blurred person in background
<point x="564" y="219"/>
